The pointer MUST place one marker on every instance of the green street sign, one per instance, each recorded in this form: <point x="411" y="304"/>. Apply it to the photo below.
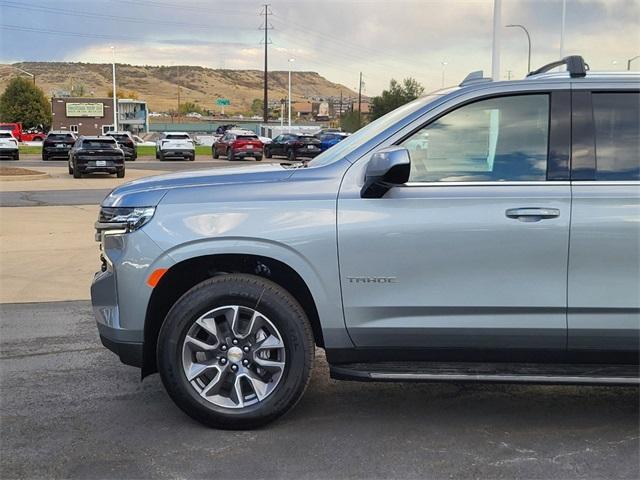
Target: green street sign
<point x="221" y="102"/>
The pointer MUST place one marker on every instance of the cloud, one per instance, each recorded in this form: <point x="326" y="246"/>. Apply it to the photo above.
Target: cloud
<point x="337" y="38"/>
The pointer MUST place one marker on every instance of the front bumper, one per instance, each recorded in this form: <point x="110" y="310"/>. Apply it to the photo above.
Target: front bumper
<point x="120" y="295"/>
<point x="8" y="152"/>
<point x="91" y="165"/>
<point x="56" y="151"/>
<point x="178" y="153"/>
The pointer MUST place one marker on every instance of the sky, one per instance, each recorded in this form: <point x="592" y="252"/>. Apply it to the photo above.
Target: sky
<point x="383" y="39"/>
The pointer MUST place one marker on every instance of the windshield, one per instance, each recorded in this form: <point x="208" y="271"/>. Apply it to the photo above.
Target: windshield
<point x="120" y="138"/>
<point x="91" y="144"/>
<point x="366" y="133"/>
<point x="60" y="136"/>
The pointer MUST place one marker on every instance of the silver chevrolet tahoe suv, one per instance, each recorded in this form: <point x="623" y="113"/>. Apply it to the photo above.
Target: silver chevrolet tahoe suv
<point x="487" y="232"/>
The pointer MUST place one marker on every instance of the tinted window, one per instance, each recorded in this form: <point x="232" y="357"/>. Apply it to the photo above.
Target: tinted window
<point x="616" y="117"/>
<point x="247" y="137"/>
<point x="120" y="138"/>
<point x="177" y="137"/>
<point x="499" y="139"/>
<point x="5" y="135"/>
<point x="91" y="144"/>
<point x="60" y="136"/>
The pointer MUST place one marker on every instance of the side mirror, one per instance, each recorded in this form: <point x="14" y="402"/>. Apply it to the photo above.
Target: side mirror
<point x="387" y="168"/>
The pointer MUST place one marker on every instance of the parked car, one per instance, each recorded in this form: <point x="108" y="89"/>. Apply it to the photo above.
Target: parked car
<point x="126" y="143"/>
<point x="328" y="140"/>
<point x="175" y="145"/>
<point x="222" y="129"/>
<point x="57" y="144"/>
<point x="237" y="144"/>
<point x="24" y="135"/>
<point x="9" y="145"/>
<point x="505" y="252"/>
<point x="293" y="146"/>
<point x="96" y="155"/>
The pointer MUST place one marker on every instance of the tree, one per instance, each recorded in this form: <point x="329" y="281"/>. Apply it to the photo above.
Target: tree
<point x="351" y="121"/>
<point x="397" y="95"/>
<point x="256" y="106"/>
<point x="189" y="107"/>
<point x="23" y="102"/>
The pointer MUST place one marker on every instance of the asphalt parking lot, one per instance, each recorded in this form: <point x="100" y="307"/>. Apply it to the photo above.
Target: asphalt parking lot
<point x="70" y="409"/>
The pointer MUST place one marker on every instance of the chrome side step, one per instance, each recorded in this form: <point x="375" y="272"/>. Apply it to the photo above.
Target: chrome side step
<point x="573" y="374"/>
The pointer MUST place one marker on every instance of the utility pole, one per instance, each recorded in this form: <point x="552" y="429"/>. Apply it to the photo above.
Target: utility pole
<point x="360" y="100"/>
<point x="340" y="111"/>
<point x="266" y="12"/>
<point x="291" y="60"/>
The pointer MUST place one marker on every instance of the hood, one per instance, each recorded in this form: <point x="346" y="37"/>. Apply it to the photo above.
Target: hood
<point x="148" y="191"/>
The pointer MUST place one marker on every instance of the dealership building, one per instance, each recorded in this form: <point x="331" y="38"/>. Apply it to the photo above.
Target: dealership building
<point x="94" y="116"/>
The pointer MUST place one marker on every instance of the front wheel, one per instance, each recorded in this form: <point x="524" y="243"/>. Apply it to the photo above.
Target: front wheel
<point x="214" y="153"/>
<point x="235" y="351"/>
<point x="70" y="169"/>
<point x="267" y="152"/>
<point x="76" y="172"/>
<point x="230" y="155"/>
<point x="292" y="155"/>
<point x="120" y="173"/>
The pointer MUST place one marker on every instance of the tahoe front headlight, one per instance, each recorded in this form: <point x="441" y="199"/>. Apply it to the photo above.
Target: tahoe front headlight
<point x="116" y="220"/>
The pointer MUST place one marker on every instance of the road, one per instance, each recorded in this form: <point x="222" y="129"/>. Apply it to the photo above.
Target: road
<point x="70" y="409"/>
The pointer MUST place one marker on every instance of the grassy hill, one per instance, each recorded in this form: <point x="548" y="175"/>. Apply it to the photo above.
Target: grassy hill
<point x="158" y="85"/>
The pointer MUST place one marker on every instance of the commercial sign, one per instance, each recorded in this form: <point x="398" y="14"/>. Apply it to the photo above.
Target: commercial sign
<point x="85" y="110"/>
<point x="221" y="102"/>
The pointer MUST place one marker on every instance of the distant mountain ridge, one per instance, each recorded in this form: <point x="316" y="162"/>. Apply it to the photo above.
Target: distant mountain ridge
<point x="158" y="85"/>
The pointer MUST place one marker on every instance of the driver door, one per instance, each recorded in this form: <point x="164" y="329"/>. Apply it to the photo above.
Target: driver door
<point x="472" y="252"/>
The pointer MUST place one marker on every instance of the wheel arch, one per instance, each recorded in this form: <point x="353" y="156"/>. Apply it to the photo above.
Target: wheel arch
<point x="189" y="272"/>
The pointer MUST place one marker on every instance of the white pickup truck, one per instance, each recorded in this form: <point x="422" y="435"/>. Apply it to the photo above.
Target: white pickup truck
<point x="8" y="145"/>
<point x="175" y="145"/>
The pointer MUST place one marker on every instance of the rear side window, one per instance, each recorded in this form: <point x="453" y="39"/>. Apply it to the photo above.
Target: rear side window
<point x="498" y="139"/>
<point x="616" y="117"/>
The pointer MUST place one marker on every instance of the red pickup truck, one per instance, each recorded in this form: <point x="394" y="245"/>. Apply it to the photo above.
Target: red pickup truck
<point x="30" y="135"/>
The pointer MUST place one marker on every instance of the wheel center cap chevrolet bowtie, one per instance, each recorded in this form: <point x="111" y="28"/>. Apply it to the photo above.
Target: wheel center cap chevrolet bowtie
<point x="234" y="354"/>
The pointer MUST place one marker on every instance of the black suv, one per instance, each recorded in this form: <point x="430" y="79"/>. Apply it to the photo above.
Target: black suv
<point x="126" y="144"/>
<point x="292" y="146"/>
<point x="96" y="155"/>
<point x="57" y="144"/>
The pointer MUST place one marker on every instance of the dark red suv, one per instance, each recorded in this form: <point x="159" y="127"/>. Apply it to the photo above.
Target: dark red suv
<point x="236" y="144"/>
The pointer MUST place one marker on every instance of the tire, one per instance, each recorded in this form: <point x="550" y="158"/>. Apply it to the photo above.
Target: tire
<point x="16" y="156"/>
<point x="192" y="157"/>
<point x="278" y="311"/>
<point x="77" y="173"/>
<point x="44" y="157"/>
<point x="230" y="155"/>
<point x="157" y="155"/>
<point x="259" y="159"/>
<point x="291" y="156"/>
<point x="267" y="152"/>
<point x="161" y="156"/>
<point x="214" y="153"/>
<point x="120" y="173"/>
<point x="70" y="169"/>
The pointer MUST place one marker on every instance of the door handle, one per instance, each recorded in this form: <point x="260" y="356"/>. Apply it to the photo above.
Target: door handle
<point x="528" y="214"/>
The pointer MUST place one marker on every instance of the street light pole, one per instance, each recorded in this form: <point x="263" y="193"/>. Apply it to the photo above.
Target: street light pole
<point x="115" y="101"/>
<point x="628" y="62"/>
<point x="517" y="25"/>
<point x="291" y="60"/>
<point x="495" y="51"/>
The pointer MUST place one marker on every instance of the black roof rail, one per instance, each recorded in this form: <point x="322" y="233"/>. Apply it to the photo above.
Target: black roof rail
<point x="576" y="66"/>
